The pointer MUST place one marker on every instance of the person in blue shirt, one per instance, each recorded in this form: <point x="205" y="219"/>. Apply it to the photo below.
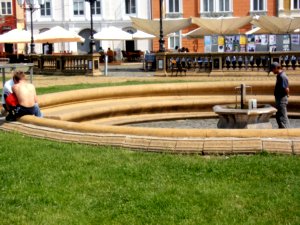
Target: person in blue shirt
<point x="281" y="93"/>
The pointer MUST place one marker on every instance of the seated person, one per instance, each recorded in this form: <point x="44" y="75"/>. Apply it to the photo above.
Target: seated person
<point x="110" y="55"/>
<point x="25" y="93"/>
<point x="101" y="51"/>
<point x="102" y="54"/>
<point x="7" y="90"/>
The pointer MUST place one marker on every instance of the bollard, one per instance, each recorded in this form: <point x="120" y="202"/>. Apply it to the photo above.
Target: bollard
<point x="105" y="65"/>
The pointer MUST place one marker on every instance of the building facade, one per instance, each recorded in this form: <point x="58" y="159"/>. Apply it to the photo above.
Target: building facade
<point x="208" y="8"/>
<point x="9" y="20"/>
<point x="74" y="15"/>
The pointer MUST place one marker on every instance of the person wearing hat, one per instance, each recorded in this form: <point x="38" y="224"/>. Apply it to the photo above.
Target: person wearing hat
<point x="281" y="93"/>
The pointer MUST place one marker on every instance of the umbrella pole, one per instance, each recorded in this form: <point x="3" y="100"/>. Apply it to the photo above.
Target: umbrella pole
<point x="290" y="37"/>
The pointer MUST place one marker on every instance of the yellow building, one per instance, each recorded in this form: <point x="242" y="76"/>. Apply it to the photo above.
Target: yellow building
<point x="20" y="19"/>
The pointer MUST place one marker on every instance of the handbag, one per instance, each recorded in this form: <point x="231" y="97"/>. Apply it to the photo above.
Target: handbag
<point x="12" y="100"/>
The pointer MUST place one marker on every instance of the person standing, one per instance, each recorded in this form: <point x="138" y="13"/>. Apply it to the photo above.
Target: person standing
<point x="281" y="93"/>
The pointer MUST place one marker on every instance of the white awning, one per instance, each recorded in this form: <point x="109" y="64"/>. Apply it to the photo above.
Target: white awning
<point x="153" y="26"/>
<point x="222" y="25"/>
<point x="277" y="25"/>
<point x="112" y="34"/>
<point x="58" y="34"/>
<point x="16" y="36"/>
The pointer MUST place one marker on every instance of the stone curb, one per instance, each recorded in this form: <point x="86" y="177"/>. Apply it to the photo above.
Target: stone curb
<point x="202" y="146"/>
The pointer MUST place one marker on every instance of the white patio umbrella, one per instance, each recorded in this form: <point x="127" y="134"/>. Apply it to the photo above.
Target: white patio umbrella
<point x="16" y="36"/>
<point x="112" y="34"/>
<point x="222" y="25"/>
<point x="197" y="33"/>
<point x="277" y="25"/>
<point x="153" y="26"/>
<point x="58" y="34"/>
<point x="257" y="30"/>
<point x="140" y="35"/>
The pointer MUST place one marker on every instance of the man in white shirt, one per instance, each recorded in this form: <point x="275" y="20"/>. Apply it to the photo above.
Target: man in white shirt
<point x="7" y="90"/>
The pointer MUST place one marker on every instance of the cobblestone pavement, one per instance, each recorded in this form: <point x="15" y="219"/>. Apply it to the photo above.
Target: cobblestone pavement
<point x="200" y="124"/>
<point x="135" y="72"/>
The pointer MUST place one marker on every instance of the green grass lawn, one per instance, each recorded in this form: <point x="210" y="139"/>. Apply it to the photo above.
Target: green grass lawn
<point x="46" y="182"/>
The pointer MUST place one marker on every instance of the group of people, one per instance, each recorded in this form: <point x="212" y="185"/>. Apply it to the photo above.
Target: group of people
<point x="183" y="49"/>
<point x="19" y="98"/>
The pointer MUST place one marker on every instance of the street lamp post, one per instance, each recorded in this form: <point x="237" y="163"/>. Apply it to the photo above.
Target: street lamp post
<point x="92" y="41"/>
<point x="161" y="36"/>
<point x="31" y="7"/>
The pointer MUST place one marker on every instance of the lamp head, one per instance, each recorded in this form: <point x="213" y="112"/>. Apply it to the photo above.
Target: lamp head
<point x="21" y="2"/>
<point x="30" y="2"/>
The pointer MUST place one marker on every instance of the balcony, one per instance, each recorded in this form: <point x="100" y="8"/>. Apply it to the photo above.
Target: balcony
<point x="174" y="15"/>
<point x="258" y="13"/>
<point x="216" y="14"/>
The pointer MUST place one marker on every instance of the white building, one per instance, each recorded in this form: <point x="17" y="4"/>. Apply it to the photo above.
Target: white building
<point x="75" y="15"/>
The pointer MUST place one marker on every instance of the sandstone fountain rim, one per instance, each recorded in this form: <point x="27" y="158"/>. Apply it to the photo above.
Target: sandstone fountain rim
<point x="159" y="89"/>
<point x="162" y="132"/>
<point x="139" y="90"/>
<point x="163" y="136"/>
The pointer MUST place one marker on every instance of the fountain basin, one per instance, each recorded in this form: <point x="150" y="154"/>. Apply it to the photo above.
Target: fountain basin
<point x="231" y="118"/>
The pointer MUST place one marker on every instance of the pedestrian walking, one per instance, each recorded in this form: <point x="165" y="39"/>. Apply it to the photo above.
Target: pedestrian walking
<point x="281" y="93"/>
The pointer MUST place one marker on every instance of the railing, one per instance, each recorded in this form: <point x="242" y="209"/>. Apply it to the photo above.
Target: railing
<point x="222" y="63"/>
<point x="66" y="64"/>
<point x="168" y="62"/>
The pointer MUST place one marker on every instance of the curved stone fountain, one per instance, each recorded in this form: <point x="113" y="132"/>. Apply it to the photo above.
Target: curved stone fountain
<point x="251" y="117"/>
<point x="94" y="116"/>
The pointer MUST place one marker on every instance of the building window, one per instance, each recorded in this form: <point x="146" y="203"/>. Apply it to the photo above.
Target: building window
<point x="207" y="6"/>
<point x="130" y="6"/>
<point x="46" y="8"/>
<point x="296" y="4"/>
<point x="96" y="9"/>
<point x="217" y="6"/>
<point x="6" y="7"/>
<point x="174" y="40"/>
<point x="224" y="6"/>
<point x="78" y="7"/>
<point x="258" y="5"/>
<point x="173" y="6"/>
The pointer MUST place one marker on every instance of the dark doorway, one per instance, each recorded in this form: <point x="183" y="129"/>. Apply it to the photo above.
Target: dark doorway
<point x="129" y="46"/>
<point x="9" y="48"/>
<point x="84" y="47"/>
<point x="47" y="48"/>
